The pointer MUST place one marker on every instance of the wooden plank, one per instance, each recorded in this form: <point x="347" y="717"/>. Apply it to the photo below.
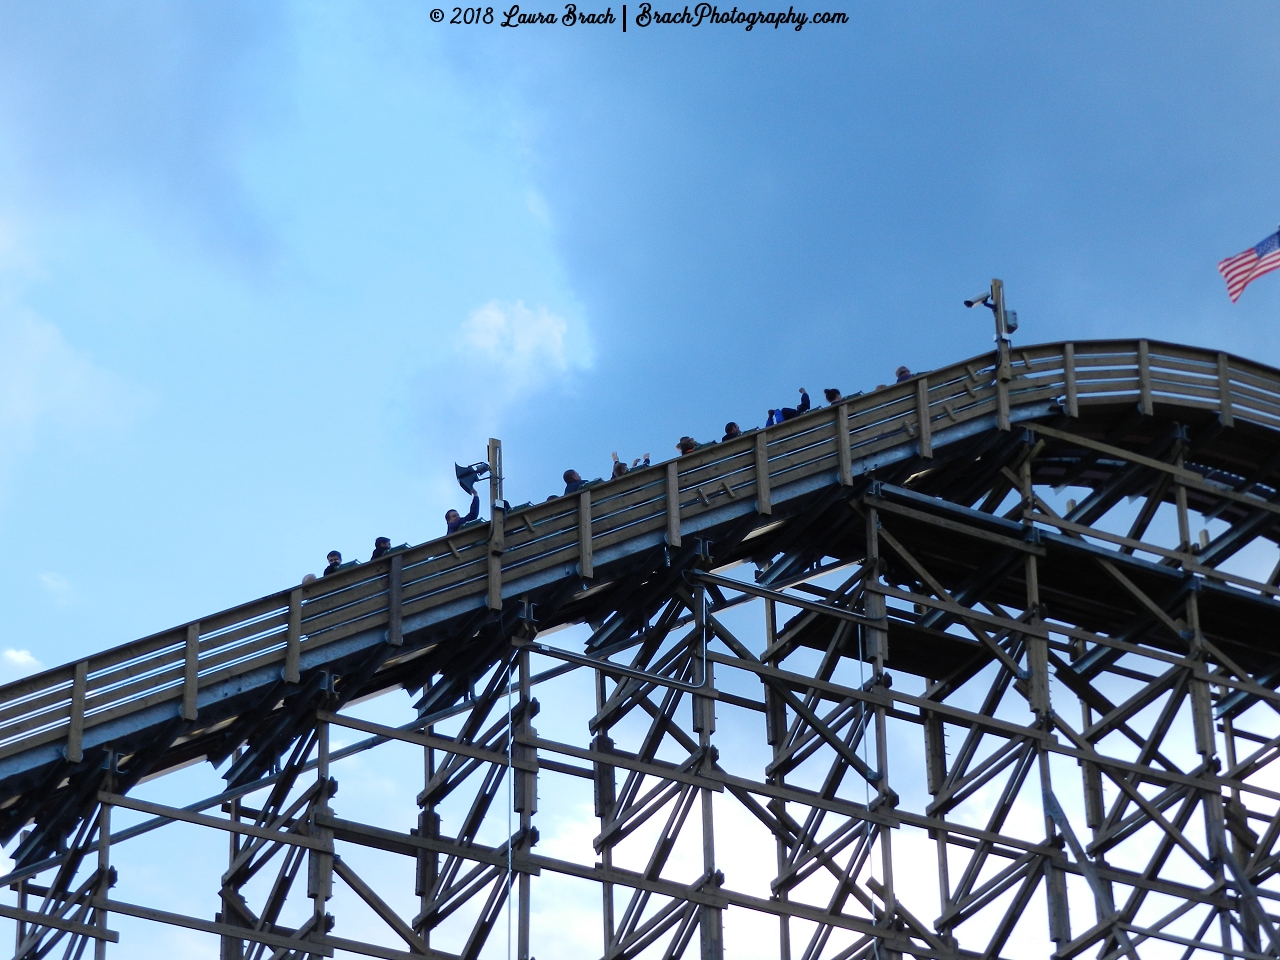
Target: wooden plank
<point x="75" y="735"/>
<point x="842" y="446"/>
<point x="1069" y="372"/>
<point x="673" y="504"/>
<point x="312" y="947"/>
<point x="1144" y="379"/>
<point x="217" y="823"/>
<point x="191" y="672"/>
<point x="294" y="637"/>
<point x="57" y="923"/>
<point x="585" y="564"/>
<point x="922" y="417"/>
<point x="395" y="611"/>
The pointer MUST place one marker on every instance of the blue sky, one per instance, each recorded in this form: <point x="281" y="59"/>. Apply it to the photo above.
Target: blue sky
<point x="268" y="270"/>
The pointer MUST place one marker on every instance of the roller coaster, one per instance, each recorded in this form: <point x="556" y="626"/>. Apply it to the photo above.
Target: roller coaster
<point x="987" y="661"/>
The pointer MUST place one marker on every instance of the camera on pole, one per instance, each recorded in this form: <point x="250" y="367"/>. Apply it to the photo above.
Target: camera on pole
<point x="993" y="300"/>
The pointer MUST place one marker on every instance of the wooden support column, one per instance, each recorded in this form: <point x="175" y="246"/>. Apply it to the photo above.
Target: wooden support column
<point x="191" y="672"/>
<point x="1144" y="379"/>
<point x="104" y="861"/>
<point x="842" y="445"/>
<point x="606" y="799"/>
<point x="526" y="799"/>
<point x="427" y="874"/>
<point x="710" y="919"/>
<point x="497" y="525"/>
<point x="232" y="948"/>
<point x="1225" y="414"/>
<point x="1004" y="373"/>
<point x="586" y="564"/>
<point x="320" y="862"/>
<point x="75" y="735"/>
<point x="293" y="638"/>
<point x="877" y="650"/>
<point x="1069" y="374"/>
<point x="775" y="723"/>
<point x="673" y="505"/>
<point x="764" y="505"/>
<point x="922" y="416"/>
<point x="395" y="610"/>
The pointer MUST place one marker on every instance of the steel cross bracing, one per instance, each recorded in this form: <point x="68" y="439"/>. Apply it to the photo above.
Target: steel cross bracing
<point x="971" y="681"/>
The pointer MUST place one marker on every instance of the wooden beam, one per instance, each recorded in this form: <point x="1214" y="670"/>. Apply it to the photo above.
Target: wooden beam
<point x="673" y="504"/>
<point x="191" y="671"/>
<point x="1144" y="379"/>
<point x="293" y="639"/>
<point x="842" y="447"/>
<point x="75" y="735"/>
<point x="586" y="564"/>
<point x="395" y="608"/>
<point x="1069" y="374"/>
<point x="1225" y="414"/>
<point x="922" y="415"/>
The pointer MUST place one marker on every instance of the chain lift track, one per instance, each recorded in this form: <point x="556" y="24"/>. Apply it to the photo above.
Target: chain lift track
<point x="1061" y="722"/>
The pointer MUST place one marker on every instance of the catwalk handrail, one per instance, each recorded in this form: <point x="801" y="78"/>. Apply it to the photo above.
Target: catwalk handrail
<point x="59" y="704"/>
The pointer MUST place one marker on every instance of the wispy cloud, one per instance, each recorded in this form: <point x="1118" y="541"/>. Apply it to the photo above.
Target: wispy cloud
<point x="528" y="346"/>
<point x="45" y="381"/>
<point x="58" y="587"/>
<point x="15" y="664"/>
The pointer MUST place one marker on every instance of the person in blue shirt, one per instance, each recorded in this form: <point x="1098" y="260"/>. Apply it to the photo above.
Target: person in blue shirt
<point x="572" y="482"/>
<point x="453" y="521"/>
<point x="783" y="414"/>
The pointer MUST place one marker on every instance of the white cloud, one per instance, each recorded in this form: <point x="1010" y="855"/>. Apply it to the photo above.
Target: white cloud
<point x="57" y="586"/>
<point x="527" y="345"/>
<point x="15" y="664"/>
<point x="45" y="381"/>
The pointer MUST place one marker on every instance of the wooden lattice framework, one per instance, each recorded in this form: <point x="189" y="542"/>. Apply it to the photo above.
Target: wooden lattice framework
<point x="908" y="570"/>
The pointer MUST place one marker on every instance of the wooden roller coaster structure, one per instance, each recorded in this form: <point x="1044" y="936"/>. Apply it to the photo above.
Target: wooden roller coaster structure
<point x="1070" y="709"/>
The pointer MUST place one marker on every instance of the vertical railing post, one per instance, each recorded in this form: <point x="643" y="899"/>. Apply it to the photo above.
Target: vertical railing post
<point x="673" y="505"/>
<point x="764" y="503"/>
<point x="842" y="446"/>
<point x="75" y="735"/>
<point x="293" y="638"/>
<point x="191" y="672"/>
<point x="922" y="415"/>
<point x="1145" y="404"/>
<point x="395" y="612"/>
<point x="497" y="525"/>
<point x="1069" y="374"/>
<point x="586" y="566"/>
<point x="606" y="799"/>
<point x="1225" y="414"/>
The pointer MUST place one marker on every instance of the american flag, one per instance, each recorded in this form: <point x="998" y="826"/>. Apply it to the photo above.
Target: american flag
<point x="1253" y="263"/>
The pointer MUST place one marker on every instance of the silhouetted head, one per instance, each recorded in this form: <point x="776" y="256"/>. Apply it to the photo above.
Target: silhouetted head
<point x="902" y="373"/>
<point x="381" y="542"/>
<point x="334" y="557"/>
<point x="451" y="515"/>
<point x="570" y="476"/>
<point x="619" y="468"/>
<point x="732" y="430"/>
<point x="832" y="395"/>
<point x="687" y="445"/>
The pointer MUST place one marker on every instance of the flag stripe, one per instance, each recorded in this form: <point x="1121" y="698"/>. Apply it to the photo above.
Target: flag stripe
<point x="1240" y="270"/>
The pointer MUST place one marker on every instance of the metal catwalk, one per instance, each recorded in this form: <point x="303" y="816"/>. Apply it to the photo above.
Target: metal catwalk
<point x="965" y="722"/>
